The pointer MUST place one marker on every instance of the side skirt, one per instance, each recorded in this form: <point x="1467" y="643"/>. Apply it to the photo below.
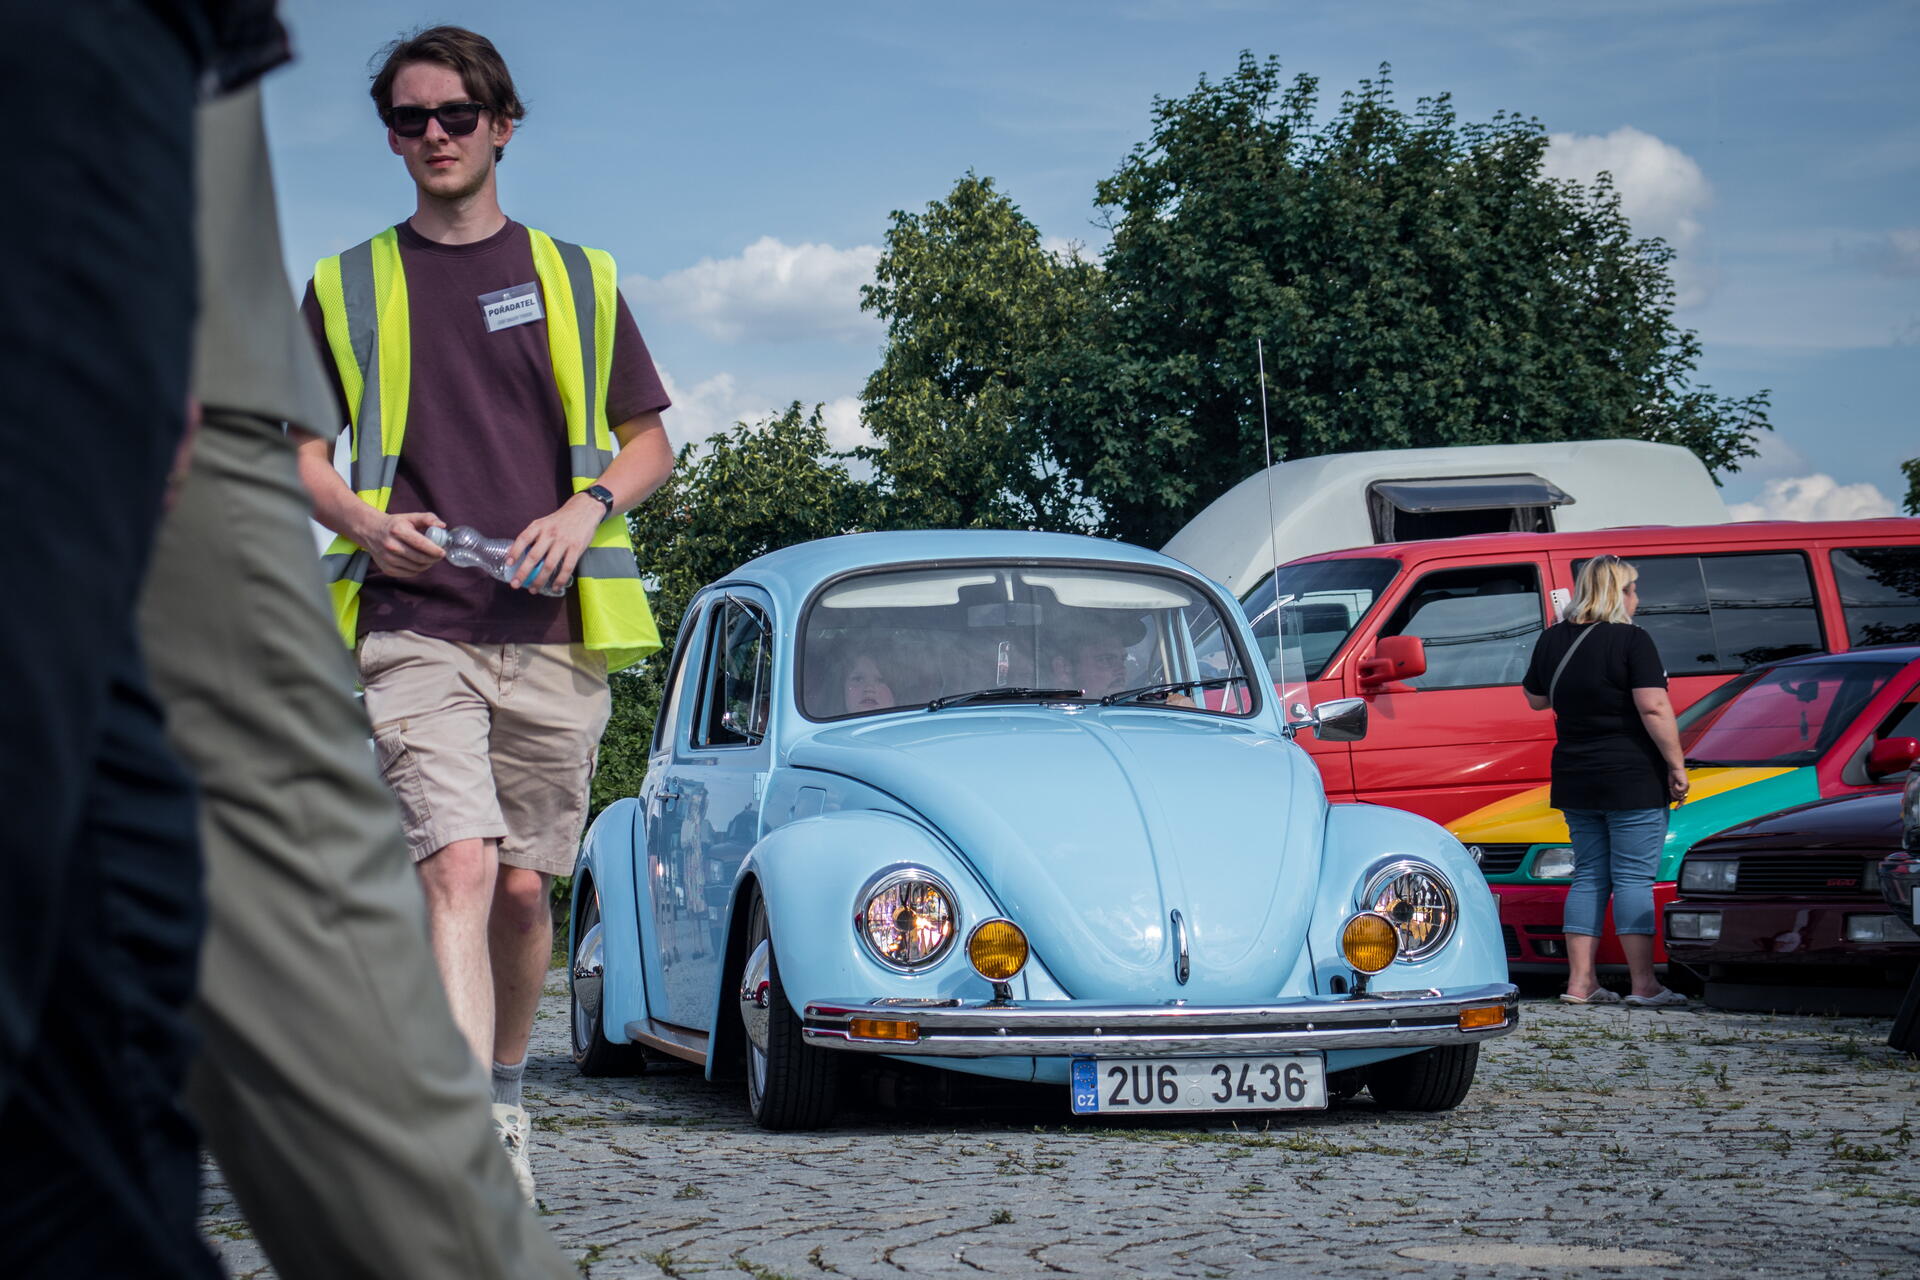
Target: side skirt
<point x="679" y="1042"/>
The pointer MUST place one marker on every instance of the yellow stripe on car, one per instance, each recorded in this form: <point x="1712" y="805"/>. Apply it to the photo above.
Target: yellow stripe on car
<point x="1527" y="818"/>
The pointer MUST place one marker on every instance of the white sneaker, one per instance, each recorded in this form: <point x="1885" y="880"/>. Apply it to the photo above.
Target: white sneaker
<point x="510" y="1126"/>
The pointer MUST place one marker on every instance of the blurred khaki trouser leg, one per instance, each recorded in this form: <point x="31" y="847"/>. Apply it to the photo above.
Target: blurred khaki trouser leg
<point x="347" y="1112"/>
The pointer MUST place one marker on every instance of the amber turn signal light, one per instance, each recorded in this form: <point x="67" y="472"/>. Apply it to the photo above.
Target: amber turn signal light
<point x="1483" y="1016"/>
<point x="1369" y="942"/>
<point x="997" y="949"/>
<point x="883" y="1029"/>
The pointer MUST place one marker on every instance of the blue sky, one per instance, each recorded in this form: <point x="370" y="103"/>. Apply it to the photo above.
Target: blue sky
<point x="740" y="161"/>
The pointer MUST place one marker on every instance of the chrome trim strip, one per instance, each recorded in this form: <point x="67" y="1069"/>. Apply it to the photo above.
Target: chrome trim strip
<point x="1069" y="1028"/>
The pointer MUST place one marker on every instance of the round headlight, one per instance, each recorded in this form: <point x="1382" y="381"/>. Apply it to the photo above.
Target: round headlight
<point x="907" y="919"/>
<point x="1369" y="942"/>
<point x="997" y="949"/>
<point x="1419" y="902"/>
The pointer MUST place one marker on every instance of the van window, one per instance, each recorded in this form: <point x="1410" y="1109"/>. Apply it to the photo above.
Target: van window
<point x="1479" y="625"/>
<point x="1450" y="506"/>
<point x="1711" y="614"/>
<point x="1325" y="601"/>
<point x="1879" y="594"/>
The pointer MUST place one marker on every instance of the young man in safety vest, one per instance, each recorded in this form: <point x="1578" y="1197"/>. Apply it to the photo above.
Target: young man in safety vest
<point x="486" y="370"/>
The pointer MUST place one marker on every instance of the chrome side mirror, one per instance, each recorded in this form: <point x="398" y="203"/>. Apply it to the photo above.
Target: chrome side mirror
<point x="1342" y="720"/>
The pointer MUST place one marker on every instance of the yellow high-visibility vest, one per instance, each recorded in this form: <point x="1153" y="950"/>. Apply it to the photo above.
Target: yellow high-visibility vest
<point x="363" y="300"/>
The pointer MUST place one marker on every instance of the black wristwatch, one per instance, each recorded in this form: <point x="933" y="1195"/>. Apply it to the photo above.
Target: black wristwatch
<point x="602" y="494"/>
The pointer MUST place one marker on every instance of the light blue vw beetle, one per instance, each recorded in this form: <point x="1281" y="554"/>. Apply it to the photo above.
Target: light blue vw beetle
<point x="1023" y="805"/>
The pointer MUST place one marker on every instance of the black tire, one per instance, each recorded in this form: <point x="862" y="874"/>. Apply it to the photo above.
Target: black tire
<point x="1342" y="1085"/>
<point x="1435" y="1080"/>
<point x="593" y="1053"/>
<point x="792" y="1085"/>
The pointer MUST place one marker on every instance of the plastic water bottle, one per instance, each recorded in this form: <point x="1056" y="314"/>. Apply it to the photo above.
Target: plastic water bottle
<point x="468" y="548"/>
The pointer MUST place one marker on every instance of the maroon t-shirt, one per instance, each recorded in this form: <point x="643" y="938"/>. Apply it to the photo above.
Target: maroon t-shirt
<point x="486" y="437"/>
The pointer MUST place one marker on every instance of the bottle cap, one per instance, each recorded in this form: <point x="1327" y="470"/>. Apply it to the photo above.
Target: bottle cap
<point x="437" y="536"/>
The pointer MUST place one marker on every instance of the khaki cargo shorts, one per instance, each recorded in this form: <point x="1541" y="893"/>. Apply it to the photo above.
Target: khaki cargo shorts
<point x="487" y="741"/>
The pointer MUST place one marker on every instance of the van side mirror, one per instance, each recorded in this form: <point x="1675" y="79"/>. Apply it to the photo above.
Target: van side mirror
<point x="1892" y="755"/>
<point x="1394" y="658"/>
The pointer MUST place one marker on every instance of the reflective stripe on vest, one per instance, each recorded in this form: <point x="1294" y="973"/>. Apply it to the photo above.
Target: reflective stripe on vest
<point x="363" y="302"/>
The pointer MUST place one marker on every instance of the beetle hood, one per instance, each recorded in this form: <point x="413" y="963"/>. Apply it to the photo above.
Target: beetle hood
<point x="1093" y="827"/>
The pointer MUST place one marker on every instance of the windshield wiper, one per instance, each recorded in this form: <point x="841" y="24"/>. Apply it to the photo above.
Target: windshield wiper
<point x="1003" y="693"/>
<point x="1692" y="763"/>
<point x="1170" y="686"/>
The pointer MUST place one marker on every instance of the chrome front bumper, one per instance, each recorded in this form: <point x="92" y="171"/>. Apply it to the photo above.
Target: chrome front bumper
<point x="1073" y="1028"/>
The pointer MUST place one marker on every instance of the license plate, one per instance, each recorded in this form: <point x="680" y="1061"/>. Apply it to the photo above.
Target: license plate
<point x="1137" y="1086"/>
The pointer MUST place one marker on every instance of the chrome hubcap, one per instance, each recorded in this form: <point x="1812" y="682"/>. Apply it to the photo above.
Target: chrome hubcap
<point x="756" y="985"/>
<point x="589" y="976"/>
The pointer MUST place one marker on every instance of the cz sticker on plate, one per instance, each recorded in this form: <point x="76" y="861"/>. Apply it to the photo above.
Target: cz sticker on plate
<point x="1135" y="1086"/>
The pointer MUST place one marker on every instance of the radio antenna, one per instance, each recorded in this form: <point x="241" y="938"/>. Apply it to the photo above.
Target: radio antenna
<point x="1273" y="541"/>
<point x="1266" y="438"/>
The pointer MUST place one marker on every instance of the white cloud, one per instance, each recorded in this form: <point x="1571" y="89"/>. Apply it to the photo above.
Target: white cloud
<point x="1815" y="497"/>
<point x="1777" y="459"/>
<point x="844" y="428"/>
<point x="707" y="408"/>
<point x="715" y="404"/>
<point x="771" y="292"/>
<point x="1891" y="253"/>
<point x="1662" y="192"/>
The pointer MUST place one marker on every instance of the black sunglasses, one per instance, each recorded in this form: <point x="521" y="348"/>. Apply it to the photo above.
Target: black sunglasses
<point x="457" y="118"/>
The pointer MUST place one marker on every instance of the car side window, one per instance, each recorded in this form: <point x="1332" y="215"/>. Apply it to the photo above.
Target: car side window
<point x="1711" y="614"/>
<point x="1904" y="722"/>
<point x="677" y="677"/>
<point x="1477" y="625"/>
<point x="736" y="699"/>
<point x="1879" y="594"/>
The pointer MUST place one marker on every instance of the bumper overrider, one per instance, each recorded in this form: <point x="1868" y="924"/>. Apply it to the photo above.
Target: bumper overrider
<point x="1075" y="1028"/>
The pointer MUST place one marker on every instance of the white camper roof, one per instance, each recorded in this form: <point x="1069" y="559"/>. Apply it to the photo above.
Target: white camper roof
<point x="1320" y="504"/>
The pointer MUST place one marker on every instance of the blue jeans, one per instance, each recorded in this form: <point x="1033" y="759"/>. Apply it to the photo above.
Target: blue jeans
<point x="1615" y="852"/>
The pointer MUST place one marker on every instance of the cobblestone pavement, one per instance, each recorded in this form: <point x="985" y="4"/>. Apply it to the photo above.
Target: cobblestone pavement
<point x="1603" y="1141"/>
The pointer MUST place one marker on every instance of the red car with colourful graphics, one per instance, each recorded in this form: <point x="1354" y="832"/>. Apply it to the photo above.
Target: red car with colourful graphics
<point x="1784" y="734"/>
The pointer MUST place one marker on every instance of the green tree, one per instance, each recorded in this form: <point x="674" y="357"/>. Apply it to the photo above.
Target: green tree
<point x="1415" y="281"/>
<point x="1911" y="468"/>
<point x="969" y="297"/>
<point x="748" y="491"/>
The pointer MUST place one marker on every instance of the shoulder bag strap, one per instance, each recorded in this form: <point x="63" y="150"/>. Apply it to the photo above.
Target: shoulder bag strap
<point x="1566" y="658"/>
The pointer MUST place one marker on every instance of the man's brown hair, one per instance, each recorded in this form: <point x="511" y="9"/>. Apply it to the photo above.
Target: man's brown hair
<point x="467" y="53"/>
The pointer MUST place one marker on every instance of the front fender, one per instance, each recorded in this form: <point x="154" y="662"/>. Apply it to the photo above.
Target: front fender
<point x="606" y="863"/>
<point x="810" y="871"/>
<point x="1363" y="836"/>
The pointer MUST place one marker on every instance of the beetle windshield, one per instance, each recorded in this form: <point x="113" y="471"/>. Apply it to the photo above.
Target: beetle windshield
<point x="985" y="634"/>
<point x="1780" y="717"/>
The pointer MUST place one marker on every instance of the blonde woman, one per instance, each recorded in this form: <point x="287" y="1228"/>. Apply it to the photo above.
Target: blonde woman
<point x="1616" y="764"/>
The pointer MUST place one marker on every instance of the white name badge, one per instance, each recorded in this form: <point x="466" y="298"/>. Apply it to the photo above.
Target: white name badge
<point x="509" y="307"/>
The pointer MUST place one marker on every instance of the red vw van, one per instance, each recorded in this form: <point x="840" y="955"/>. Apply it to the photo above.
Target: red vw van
<point x="1437" y="635"/>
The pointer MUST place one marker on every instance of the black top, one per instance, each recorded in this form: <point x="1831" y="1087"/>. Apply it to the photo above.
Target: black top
<point x="1604" y="757"/>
